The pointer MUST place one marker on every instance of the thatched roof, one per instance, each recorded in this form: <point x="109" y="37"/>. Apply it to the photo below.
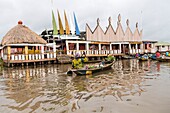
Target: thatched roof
<point x="22" y="34"/>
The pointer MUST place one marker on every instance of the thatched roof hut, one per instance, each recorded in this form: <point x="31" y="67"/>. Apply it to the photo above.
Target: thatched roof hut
<point x="22" y="34"/>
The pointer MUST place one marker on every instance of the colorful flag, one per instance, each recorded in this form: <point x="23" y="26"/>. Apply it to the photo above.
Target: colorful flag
<point x="76" y="25"/>
<point x="55" y="31"/>
<point x="66" y="24"/>
<point x="60" y="24"/>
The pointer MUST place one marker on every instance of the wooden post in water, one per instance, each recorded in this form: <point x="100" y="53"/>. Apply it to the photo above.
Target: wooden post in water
<point x="42" y="51"/>
<point x="9" y="53"/>
<point x="26" y="52"/>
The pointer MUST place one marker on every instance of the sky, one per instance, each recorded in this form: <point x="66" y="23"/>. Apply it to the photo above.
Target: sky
<point x="152" y="15"/>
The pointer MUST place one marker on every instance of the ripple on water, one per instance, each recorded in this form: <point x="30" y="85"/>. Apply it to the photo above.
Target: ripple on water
<point x="48" y="88"/>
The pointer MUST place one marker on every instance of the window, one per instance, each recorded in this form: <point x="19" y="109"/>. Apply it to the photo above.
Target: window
<point x="145" y="46"/>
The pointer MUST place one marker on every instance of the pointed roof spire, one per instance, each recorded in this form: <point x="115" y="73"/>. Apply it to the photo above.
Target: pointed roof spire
<point x="66" y="24"/>
<point x="60" y="24"/>
<point x="76" y="25"/>
<point x="110" y="20"/>
<point x="136" y="24"/>
<point x="119" y="18"/>
<point x="20" y="22"/>
<point x="127" y="22"/>
<point x="98" y="21"/>
<point x="55" y="30"/>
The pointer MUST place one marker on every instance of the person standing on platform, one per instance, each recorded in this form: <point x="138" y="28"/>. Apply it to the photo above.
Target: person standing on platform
<point x="84" y="58"/>
<point x="158" y="54"/>
<point x="167" y="53"/>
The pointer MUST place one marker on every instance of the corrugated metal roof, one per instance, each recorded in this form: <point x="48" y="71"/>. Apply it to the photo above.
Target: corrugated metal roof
<point x="162" y="43"/>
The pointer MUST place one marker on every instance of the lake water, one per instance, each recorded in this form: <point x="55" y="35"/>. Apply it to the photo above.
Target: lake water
<point x="129" y="87"/>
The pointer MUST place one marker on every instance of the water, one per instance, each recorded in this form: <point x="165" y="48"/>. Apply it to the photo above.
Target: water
<point x="131" y="87"/>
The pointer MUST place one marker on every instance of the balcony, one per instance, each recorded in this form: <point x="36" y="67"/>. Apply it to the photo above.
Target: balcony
<point x="21" y="58"/>
<point x="93" y="52"/>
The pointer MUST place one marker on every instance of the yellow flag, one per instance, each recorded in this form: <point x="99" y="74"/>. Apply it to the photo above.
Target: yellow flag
<point x="66" y="24"/>
<point x="60" y="25"/>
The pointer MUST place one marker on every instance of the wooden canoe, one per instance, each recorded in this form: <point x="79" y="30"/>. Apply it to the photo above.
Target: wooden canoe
<point x="128" y="57"/>
<point x="166" y="59"/>
<point x="143" y="58"/>
<point x="90" y="71"/>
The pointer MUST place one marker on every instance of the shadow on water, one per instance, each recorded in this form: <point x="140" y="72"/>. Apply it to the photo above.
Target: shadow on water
<point x="48" y="88"/>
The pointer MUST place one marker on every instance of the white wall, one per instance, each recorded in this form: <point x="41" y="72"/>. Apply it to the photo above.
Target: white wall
<point x="163" y="48"/>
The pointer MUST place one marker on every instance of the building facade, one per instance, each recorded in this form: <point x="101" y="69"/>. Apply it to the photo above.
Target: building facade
<point x="112" y="41"/>
<point x="22" y="46"/>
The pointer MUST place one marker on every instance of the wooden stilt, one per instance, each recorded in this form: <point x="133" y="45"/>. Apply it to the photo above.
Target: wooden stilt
<point x="99" y="58"/>
<point x="8" y="64"/>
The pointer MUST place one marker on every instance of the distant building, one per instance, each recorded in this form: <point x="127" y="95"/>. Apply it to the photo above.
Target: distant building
<point x="162" y="46"/>
<point x="97" y="42"/>
<point x="126" y="41"/>
<point x="114" y="35"/>
<point x="59" y="36"/>
<point x="149" y="46"/>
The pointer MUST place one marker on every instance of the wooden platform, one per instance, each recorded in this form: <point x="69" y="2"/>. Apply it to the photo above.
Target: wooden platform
<point x="99" y="55"/>
<point x="28" y="61"/>
<point x="63" y="59"/>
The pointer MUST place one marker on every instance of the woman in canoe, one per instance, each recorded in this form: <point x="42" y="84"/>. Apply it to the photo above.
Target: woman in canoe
<point x="77" y="62"/>
<point x="83" y="57"/>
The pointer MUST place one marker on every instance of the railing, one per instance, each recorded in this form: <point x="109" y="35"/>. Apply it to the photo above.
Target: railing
<point x="134" y="51"/>
<point x="33" y="56"/>
<point x="146" y="51"/>
<point x="93" y="52"/>
<point x="153" y="50"/>
<point x="163" y="49"/>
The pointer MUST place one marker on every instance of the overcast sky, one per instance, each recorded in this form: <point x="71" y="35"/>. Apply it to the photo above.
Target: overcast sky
<point x="153" y="15"/>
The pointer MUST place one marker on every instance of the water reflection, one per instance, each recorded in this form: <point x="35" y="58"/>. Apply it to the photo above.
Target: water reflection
<point x="48" y="88"/>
